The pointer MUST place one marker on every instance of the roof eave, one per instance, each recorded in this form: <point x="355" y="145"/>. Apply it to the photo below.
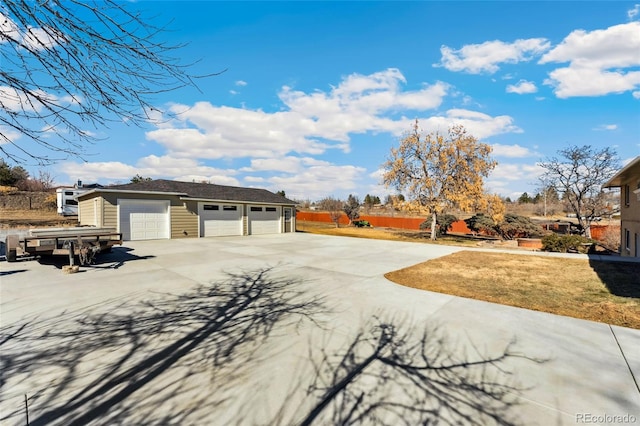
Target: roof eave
<point x="616" y="180"/>
<point x="217" y="200"/>
<point x="112" y="191"/>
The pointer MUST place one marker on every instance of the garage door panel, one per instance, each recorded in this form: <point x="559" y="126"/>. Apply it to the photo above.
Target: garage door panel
<point x="217" y="220"/>
<point x="144" y="219"/>
<point x="264" y="220"/>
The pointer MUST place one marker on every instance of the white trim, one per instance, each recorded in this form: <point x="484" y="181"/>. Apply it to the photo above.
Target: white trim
<point x="291" y="219"/>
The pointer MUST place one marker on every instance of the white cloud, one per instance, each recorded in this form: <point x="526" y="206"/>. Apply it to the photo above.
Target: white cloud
<point x="233" y="92"/>
<point x="571" y="82"/>
<point x="511" y="151"/>
<point x="14" y="100"/>
<point x="597" y="62"/>
<point x="310" y="123"/>
<point x="504" y="175"/>
<point x="478" y="124"/>
<point x="616" y="46"/>
<point x="632" y="13"/>
<point x="522" y="87"/>
<point x="636" y="94"/>
<point x="150" y="166"/>
<point x="287" y="164"/>
<point x="304" y="177"/>
<point x="514" y="172"/>
<point x="10" y="135"/>
<point x="485" y="57"/>
<point x="319" y="181"/>
<point x="32" y="101"/>
<point x="606" y="127"/>
<point x="282" y="144"/>
<point x="241" y="83"/>
<point x="30" y="37"/>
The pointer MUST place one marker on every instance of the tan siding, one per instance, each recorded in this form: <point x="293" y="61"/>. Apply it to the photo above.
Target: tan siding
<point x="630" y="220"/>
<point x="100" y="214"/>
<point x="184" y="219"/>
<point x="110" y="211"/>
<point x="86" y="211"/>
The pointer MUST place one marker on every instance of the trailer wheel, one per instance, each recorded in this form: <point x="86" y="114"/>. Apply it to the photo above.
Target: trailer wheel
<point x="11" y="255"/>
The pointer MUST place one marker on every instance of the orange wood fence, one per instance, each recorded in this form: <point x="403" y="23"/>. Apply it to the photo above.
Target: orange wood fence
<point x="399" y="222"/>
<point x="597" y="231"/>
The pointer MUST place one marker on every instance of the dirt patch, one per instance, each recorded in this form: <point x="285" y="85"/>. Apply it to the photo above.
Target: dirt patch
<point x="597" y="291"/>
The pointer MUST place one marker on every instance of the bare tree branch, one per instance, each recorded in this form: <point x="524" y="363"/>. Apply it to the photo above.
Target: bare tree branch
<point x="69" y="68"/>
<point x="578" y="174"/>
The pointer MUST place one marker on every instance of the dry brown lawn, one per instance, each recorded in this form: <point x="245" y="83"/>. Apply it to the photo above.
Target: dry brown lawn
<point x="607" y="292"/>
<point x="378" y="233"/>
<point x="14" y="218"/>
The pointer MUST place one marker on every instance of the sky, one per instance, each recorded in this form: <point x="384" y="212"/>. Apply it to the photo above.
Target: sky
<point x="315" y="94"/>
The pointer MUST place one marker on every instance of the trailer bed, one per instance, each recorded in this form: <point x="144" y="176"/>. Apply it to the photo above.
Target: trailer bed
<point x="84" y="242"/>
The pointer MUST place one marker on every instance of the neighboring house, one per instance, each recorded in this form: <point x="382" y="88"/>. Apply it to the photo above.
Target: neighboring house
<point x="160" y="209"/>
<point x="628" y="180"/>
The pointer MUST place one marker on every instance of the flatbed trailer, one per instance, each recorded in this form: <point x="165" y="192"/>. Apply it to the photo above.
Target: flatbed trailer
<point x="83" y="242"/>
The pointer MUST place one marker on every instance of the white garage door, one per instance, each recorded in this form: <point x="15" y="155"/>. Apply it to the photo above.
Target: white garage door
<point x="144" y="219"/>
<point x="264" y="220"/>
<point x="217" y="220"/>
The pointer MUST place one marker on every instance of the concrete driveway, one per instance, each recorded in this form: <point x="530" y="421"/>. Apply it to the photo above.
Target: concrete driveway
<point x="292" y="329"/>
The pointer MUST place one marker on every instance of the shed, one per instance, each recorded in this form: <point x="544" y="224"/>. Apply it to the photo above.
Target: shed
<point x="159" y="209"/>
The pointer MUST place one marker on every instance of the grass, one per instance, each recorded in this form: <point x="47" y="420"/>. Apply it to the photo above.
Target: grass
<point x="607" y="292"/>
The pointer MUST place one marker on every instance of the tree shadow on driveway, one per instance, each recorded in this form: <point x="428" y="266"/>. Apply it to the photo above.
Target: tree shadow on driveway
<point x="100" y="365"/>
<point x="390" y="372"/>
<point x="178" y="359"/>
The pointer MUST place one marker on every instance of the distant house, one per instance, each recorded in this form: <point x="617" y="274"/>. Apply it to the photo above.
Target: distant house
<point x="160" y="209"/>
<point x="628" y="180"/>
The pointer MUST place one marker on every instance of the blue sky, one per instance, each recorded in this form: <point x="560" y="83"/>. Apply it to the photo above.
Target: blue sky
<point x="315" y="94"/>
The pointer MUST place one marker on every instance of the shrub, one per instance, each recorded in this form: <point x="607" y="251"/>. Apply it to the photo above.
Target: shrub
<point x="481" y="223"/>
<point x="361" y="223"/>
<point x="443" y="222"/>
<point x="515" y="226"/>
<point x="565" y="243"/>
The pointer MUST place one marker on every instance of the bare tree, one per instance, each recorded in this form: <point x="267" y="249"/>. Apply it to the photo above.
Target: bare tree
<point x="579" y="174"/>
<point x="334" y="207"/>
<point x="71" y="67"/>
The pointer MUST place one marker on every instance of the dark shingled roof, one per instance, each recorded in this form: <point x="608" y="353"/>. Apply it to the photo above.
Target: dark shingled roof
<point x="207" y="191"/>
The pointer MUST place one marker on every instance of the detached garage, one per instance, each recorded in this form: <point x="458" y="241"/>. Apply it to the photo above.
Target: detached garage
<point x="170" y="209"/>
